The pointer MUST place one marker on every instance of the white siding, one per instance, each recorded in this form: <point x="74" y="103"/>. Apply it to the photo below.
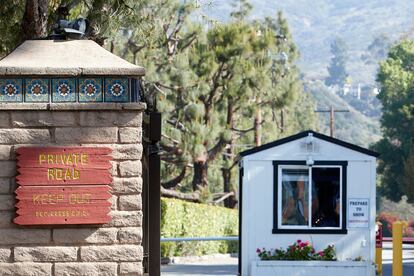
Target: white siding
<point x="295" y="150"/>
<point x="258" y="210"/>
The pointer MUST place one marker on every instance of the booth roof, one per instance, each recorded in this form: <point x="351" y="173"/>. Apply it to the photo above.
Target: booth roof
<point x="305" y="134"/>
<point x="65" y="57"/>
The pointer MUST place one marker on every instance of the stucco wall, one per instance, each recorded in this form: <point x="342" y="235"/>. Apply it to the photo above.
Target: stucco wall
<point x="110" y="249"/>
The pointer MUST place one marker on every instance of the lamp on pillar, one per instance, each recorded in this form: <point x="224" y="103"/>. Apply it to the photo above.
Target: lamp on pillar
<point x="74" y="29"/>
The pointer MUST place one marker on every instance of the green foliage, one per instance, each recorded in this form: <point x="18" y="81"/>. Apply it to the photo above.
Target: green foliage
<point x="11" y="14"/>
<point x="184" y="219"/>
<point x="209" y="82"/>
<point x="242" y="8"/>
<point x="409" y="177"/>
<point x="106" y="18"/>
<point x="337" y="67"/>
<point x="396" y="77"/>
<point x="298" y="251"/>
<point x="377" y="50"/>
<point x="216" y="85"/>
<point x="316" y="22"/>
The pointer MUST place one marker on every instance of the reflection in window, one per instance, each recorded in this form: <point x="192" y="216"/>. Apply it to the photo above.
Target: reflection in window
<point x="295" y="197"/>
<point x="326" y="203"/>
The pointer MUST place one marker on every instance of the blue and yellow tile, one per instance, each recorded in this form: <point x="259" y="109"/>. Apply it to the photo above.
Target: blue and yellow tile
<point x="90" y="90"/>
<point x="64" y="90"/>
<point x="11" y="90"/>
<point x="116" y="90"/>
<point x="37" y="90"/>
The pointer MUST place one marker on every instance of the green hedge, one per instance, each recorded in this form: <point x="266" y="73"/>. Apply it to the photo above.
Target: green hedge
<point x="184" y="219"/>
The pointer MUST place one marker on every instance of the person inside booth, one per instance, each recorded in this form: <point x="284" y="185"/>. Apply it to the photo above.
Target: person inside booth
<point x="295" y="200"/>
<point x="327" y="187"/>
<point x="324" y="197"/>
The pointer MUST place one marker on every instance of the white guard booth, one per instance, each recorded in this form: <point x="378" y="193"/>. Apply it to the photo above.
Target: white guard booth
<point x="314" y="188"/>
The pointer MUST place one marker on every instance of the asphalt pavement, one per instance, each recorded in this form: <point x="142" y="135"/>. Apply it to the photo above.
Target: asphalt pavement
<point x="227" y="266"/>
<point x="205" y="266"/>
<point x="199" y="270"/>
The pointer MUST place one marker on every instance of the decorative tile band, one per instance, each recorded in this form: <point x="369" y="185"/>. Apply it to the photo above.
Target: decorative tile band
<point x="116" y="90"/>
<point x="64" y="90"/>
<point x="90" y="90"/>
<point x="11" y="90"/>
<point x="37" y="90"/>
<point x="55" y="89"/>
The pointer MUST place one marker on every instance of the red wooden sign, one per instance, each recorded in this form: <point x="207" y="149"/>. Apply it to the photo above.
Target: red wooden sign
<point x="62" y="196"/>
<point x="98" y="218"/>
<point x="27" y="151"/>
<point x="53" y="189"/>
<point x="69" y="166"/>
<point x="64" y="176"/>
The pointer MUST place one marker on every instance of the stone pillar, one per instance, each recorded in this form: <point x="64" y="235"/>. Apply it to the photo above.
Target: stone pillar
<point x="110" y="249"/>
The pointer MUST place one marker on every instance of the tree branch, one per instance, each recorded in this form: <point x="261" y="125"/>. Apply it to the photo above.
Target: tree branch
<point x="224" y="197"/>
<point x="193" y="197"/>
<point x="171" y="139"/>
<point x="191" y="39"/>
<point x="216" y="84"/>
<point x="213" y="152"/>
<point x="175" y="181"/>
<point x="178" y="125"/>
<point x="174" y="88"/>
<point x="243" y="130"/>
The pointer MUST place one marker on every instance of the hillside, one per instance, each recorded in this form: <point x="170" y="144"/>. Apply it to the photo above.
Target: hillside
<point x="353" y="126"/>
<point x="314" y="24"/>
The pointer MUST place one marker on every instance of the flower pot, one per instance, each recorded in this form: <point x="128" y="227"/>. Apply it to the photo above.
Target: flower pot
<point x="311" y="268"/>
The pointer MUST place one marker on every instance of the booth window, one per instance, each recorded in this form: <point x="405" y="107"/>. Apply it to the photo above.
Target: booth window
<point x="309" y="199"/>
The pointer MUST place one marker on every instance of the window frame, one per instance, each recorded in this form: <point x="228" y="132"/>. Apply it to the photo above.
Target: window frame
<point x="299" y="229"/>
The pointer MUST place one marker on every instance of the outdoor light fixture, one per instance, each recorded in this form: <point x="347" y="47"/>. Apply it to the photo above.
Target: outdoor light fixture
<point x="310" y="143"/>
<point x="309" y="139"/>
<point x="310" y="147"/>
<point x="309" y="160"/>
<point x="74" y="29"/>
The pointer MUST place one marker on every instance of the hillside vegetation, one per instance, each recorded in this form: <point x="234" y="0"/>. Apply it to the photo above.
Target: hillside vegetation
<point x="353" y="126"/>
<point x="316" y="23"/>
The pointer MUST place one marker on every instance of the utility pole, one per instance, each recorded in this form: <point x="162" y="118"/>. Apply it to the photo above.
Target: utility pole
<point x="331" y="111"/>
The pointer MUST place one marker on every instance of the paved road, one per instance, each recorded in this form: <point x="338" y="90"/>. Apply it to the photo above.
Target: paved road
<point x="228" y="266"/>
<point x="231" y="270"/>
<point x="223" y="266"/>
<point x="408" y="269"/>
<point x="199" y="270"/>
<point x="408" y="256"/>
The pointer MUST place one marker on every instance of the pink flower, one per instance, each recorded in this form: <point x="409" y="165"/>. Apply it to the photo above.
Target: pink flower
<point x="320" y="253"/>
<point x="306" y="243"/>
<point x="299" y="241"/>
<point x="302" y="244"/>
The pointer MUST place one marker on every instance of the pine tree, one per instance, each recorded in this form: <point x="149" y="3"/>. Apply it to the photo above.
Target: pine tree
<point x="409" y="178"/>
<point x="337" y="67"/>
<point x="11" y="14"/>
<point x="396" y="79"/>
<point x="209" y="83"/>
